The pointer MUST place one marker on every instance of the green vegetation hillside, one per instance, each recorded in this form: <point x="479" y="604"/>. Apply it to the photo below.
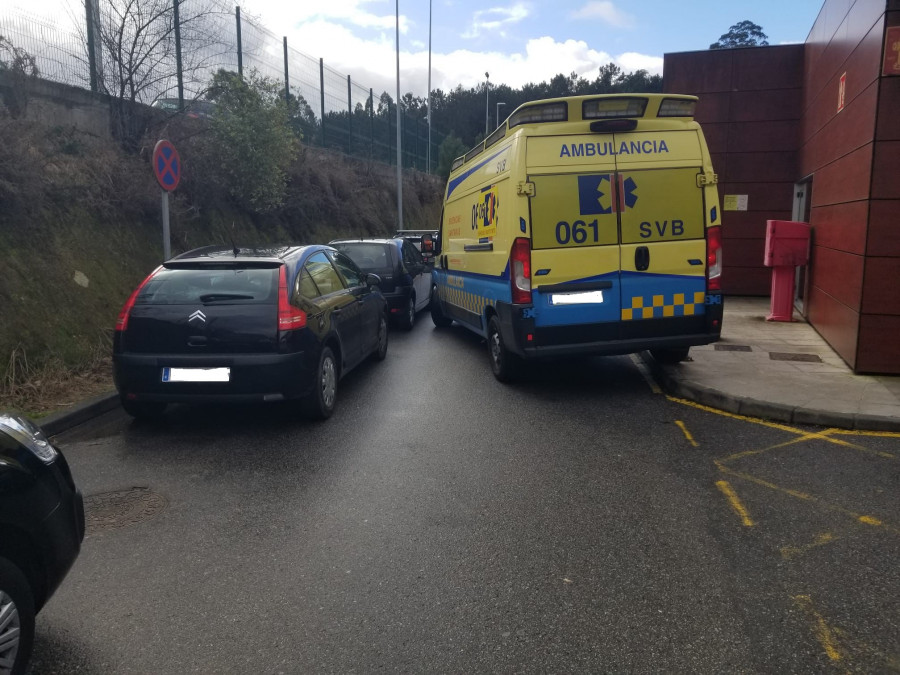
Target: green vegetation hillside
<point x="80" y="227"/>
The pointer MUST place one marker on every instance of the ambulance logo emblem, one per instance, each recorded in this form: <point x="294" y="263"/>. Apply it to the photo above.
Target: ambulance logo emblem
<point x="596" y="194"/>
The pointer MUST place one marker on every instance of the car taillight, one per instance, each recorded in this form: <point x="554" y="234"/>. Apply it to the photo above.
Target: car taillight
<point x="714" y="258"/>
<point x="122" y="321"/>
<point x="520" y="271"/>
<point x="289" y="316"/>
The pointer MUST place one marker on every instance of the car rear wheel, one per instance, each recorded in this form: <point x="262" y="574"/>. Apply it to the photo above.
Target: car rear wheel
<point x="319" y="403"/>
<point x="504" y="363"/>
<point x="440" y="319"/>
<point x="668" y="357"/>
<point x="381" y="350"/>
<point x="143" y="410"/>
<point x="409" y="318"/>
<point x="16" y="619"/>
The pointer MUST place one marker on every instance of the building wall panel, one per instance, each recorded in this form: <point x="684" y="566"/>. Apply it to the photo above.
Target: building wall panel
<point x="841" y="227"/>
<point x="884" y="228"/>
<point x="879" y="347"/>
<point x="835" y="322"/>
<point x="880" y="292"/>
<point x="842" y="278"/>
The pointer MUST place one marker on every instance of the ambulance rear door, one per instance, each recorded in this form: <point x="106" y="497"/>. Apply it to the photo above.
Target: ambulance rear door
<point x="575" y="257"/>
<point x="662" y="229"/>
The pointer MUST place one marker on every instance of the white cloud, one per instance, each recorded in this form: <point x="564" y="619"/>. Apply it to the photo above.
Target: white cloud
<point x="496" y="19"/>
<point x="631" y="61"/>
<point x="605" y="11"/>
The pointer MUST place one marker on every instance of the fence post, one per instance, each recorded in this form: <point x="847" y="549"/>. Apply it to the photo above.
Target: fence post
<point x="349" y="119"/>
<point x="287" y="82"/>
<point x="322" y="95"/>
<point x="240" y="53"/>
<point x="92" y="14"/>
<point x="179" y="74"/>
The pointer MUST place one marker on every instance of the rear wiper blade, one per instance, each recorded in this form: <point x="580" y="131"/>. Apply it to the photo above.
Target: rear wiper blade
<point x="212" y="297"/>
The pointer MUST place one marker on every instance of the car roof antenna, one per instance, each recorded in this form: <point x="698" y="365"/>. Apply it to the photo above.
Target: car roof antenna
<point x="234" y="248"/>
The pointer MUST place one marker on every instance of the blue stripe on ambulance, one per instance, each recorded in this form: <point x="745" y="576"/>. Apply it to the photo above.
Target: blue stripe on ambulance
<point x="657" y="296"/>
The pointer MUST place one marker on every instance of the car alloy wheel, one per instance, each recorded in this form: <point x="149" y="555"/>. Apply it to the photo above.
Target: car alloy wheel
<point x="16" y="619"/>
<point x="10" y="630"/>
<point x="328" y="380"/>
<point x="410" y="319"/>
<point x="382" y="340"/>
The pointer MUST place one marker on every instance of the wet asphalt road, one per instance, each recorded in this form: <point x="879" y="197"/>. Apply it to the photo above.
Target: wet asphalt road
<point x="444" y="522"/>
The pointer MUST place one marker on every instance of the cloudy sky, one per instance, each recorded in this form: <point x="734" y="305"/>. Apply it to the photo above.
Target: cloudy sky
<point x="517" y="41"/>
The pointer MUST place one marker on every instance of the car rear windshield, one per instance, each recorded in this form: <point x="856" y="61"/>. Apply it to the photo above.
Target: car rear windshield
<point x="368" y="257"/>
<point x="180" y="286"/>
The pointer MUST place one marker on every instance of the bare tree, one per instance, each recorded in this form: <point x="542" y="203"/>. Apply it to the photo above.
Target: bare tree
<point x="137" y="40"/>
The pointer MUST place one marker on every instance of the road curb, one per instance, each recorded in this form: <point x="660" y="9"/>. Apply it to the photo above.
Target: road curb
<point x="63" y="420"/>
<point x="751" y="407"/>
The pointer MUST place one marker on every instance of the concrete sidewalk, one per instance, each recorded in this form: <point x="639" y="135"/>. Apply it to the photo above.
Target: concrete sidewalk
<point x="781" y="371"/>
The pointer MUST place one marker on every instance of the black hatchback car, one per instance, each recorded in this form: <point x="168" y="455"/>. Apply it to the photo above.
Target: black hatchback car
<point x="41" y="530"/>
<point x="218" y="324"/>
<point x="405" y="275"/>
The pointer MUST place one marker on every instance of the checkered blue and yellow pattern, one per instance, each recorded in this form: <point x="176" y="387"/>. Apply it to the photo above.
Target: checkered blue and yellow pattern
<point x="659" y="306"/>
<point x="460" y="298"/>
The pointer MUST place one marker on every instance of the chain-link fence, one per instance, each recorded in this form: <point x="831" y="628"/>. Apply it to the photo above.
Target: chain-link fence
<point x="336" y="112"/>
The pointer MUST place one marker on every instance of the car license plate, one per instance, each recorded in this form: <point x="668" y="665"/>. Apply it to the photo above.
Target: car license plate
<point x="584" y="298"/>
<point x="196" y="374"/>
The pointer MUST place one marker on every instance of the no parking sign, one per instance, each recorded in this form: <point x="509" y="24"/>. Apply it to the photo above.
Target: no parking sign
<point x="166" y="165"/>
<point x="167" y="169"/>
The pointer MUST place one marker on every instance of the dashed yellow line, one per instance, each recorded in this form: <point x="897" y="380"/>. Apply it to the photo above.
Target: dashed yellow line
<point x="824" y="634"/>
<point x="687" y="434"/>
<point x="735" y="502"/>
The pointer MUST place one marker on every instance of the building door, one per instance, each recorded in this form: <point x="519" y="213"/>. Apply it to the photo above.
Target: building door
<point x="800" y="213"/>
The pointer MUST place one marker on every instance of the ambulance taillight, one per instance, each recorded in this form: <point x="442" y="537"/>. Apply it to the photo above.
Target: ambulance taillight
<point x="714" y="258"/>
<point x="520" y="271"/>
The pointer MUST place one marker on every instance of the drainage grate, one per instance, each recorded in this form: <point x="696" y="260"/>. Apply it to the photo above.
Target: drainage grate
<point x="782" y="356"/>
<point x="733" y="348"/>
<point x="110" y="510"/>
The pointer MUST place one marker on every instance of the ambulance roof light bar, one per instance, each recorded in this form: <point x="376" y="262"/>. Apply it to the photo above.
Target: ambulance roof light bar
<point x="677" y="107"/>
<point x="535" y="114"/>
<point x="613" y="108"/>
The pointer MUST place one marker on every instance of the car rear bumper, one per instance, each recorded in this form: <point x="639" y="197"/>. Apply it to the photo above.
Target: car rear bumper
<point x="252" y="377"/>
<point x="606" y="339"/>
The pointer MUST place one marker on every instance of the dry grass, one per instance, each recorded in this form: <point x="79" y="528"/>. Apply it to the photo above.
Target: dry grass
<point x="40" y="390"/>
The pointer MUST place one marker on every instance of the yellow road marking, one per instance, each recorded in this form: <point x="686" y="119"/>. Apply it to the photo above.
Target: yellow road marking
<point x="824" y="634"/>
<point x="859" y="517"/>
<point x="789" y="552"/>
<point x="687" y="434"/>
<point x="735" y="502"/>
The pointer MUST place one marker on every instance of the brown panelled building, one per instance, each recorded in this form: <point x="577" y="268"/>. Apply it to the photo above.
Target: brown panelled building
<point x="812" y="132"/>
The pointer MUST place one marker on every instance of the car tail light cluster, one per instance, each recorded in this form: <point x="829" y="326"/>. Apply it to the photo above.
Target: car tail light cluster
<point x="520" y="271"/>
<point x="714" y="258"/>
<point x="122" y="321"/>
<point x="289" y="316"/>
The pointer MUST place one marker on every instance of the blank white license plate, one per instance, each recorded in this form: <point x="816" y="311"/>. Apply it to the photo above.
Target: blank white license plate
<point x="584" y="298"/>
<point x="196" y="374"/>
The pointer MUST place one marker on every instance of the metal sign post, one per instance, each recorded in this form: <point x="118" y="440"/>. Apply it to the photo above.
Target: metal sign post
<point x="167" y="169"/>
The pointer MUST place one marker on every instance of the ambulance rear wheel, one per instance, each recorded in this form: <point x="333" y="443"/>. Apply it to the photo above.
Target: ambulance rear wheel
<point x="504" y="363"/>
<point x="440" y="319"/>
<point x="668" y="357"/>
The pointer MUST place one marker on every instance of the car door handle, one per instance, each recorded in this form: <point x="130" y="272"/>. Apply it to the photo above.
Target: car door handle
<point x="335" y="312"/>
<point x="641" y="258"/>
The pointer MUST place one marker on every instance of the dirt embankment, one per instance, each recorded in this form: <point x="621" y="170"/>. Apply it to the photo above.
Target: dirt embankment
<point x="80" y="227"/>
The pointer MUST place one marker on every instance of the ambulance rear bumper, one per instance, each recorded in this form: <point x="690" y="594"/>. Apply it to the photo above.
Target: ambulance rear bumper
<point x="522" y="337"/>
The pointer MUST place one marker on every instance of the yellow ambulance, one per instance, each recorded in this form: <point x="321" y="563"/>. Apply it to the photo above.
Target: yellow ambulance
<point x="584" y="225"/>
